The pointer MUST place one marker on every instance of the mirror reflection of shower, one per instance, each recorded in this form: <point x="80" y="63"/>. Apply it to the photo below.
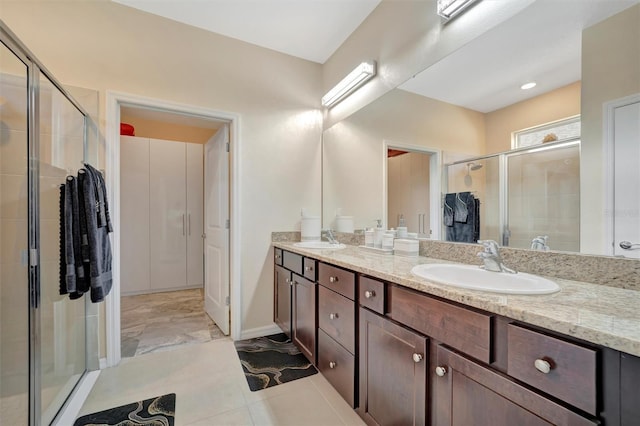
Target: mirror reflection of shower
<point x="471" y="167"/>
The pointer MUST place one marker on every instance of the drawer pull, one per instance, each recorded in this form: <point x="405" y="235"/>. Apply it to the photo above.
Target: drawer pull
<point x="369" y="294"/>
<point x="277" y="257"/>
<point x="333" y="315"/>
<point x="417" y="357"/>
<point x="542" y="365"/>
<point x="332" y="365"/>
<point x="333" y="279"/>
<point x="287" y="280"/>
<point x="308" y="268"/>
<point x="441" y="371"/>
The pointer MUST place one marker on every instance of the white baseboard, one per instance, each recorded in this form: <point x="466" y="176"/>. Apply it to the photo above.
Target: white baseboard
<point x="164" y="290"/>
<point x="260" y="331"/>
<point x="71" y="409"/>
<point x="102" y="363"/>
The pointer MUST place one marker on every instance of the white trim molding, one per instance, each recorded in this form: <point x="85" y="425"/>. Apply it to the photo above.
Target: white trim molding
<point x="608" y="168"/>
<point x="267" y="330"/>
<point x="114" y="100"/>
<point x="435" y="183"/>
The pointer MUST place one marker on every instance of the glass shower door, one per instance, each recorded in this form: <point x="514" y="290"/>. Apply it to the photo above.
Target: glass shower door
<point x="14" y="271"/>
<point x="62" y="320"/>
<point x="543" y="197"/>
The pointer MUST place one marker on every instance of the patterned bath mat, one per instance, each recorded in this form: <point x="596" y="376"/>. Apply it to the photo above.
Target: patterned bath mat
<point x="158" y="411"/>
<point x="272" y="360"/>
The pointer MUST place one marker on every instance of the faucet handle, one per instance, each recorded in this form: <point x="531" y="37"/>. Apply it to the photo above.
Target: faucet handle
<point x="490" y="246"/>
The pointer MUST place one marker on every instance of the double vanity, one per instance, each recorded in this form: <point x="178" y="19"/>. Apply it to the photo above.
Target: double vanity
<point x="404" y="349"/>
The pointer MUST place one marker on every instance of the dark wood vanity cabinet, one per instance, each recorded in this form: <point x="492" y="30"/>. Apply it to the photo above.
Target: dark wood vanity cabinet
<point x="304" y="316"/>
<point x="394" y="362"/>
<point x="282" y="308"/>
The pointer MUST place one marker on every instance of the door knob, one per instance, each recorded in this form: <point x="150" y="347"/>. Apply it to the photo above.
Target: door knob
<point x="441" y="371"/>
<point x="369" y="294"/>
<point x="417" y="357"/>
<point x="627" y="245"/>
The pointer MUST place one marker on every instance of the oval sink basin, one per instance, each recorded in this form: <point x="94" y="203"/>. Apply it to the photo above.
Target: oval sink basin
<point x="319" y="245"/>
<point x="475" y="278"/>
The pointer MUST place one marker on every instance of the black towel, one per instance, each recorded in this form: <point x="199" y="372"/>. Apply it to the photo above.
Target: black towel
<point x="61" y="240"/>
<point x="449" y="205"/>
<point x="69" y="254"/>
<point x="463" y="203"/>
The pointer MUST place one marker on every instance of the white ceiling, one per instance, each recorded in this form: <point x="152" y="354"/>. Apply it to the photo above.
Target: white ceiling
<point x="542" y="44"/>
<point x="308" y="29"/>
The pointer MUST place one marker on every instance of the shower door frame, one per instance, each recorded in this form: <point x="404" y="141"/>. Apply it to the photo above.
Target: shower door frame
<point x="35" y="70"/>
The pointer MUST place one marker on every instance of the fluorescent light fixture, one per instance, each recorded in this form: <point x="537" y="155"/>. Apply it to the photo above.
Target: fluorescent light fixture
<point x="356" y="78"/>
<point x="450" y="8"/>
<point x="528" y="86"/>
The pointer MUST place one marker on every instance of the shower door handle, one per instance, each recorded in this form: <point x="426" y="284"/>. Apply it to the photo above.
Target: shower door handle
<point x="627" y="245"/>
<point x="183" y="224"/>
<point x="188" y="223"/>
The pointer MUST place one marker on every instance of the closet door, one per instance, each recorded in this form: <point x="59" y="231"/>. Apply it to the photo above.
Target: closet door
<point x="167" y="218"/>
<point x="134" y="214"/>
<point x="195" y="215"/>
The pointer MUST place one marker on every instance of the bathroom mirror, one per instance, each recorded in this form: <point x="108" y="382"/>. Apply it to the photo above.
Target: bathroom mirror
<point x="470" y="103"/>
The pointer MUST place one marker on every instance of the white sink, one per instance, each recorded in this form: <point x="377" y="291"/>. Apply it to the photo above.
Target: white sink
<point x="475" y="278"/>
<point x="319" y="245"/>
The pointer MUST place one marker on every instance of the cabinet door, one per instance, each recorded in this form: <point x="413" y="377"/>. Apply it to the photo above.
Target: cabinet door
<point x="304" y="316"/>
<point x="134" y="214"/>
<point x="195" y="214"/>
<point x="393" y="372"/>
<point x="468" y="393"/>
<point x="282" y="299"/>
<point x="167" y="218"/>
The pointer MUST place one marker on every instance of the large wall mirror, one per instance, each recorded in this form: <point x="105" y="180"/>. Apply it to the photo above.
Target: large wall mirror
<point x="466" y="108"/>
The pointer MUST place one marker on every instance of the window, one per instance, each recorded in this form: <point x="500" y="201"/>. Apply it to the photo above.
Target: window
<point x="562" y="130"/>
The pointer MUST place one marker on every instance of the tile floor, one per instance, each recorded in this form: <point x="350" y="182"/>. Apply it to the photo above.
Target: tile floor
<point x="161" y="321"/>
<point x="211" y="390"/>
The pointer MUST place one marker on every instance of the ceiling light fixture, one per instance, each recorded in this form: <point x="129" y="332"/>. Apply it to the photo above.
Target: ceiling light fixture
<point x="528" y="86"/>
<point x="450" y="8"/>
<point x="356" y="78"/>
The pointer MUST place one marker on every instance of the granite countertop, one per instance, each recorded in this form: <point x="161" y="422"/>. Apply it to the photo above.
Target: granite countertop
<point x="607" y="316"/>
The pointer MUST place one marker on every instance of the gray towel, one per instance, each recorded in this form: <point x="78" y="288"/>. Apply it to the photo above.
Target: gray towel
<point x="69" y="253"/>
<point x="449" y="203"/>
<point x="464" y="201"/>
<point x="101" y="192"/>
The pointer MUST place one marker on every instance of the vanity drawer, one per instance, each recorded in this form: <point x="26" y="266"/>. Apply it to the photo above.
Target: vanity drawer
<point x="572" y="368"/>
<point x="277" y="256"/>
<point x="337" y="365"/>
<point x="464" y="329"/>
<point x="292" y="262"/>
<point x="337" y="279"/>
<point x="371" y="294"/>
<point x="310" y="267"/>
<point x="336" y="316"/>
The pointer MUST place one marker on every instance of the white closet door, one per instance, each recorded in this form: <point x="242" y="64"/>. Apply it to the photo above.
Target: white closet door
<point x="134" y="214"/>
<point x="167" y="218"/>
<point x="195" y="209"/>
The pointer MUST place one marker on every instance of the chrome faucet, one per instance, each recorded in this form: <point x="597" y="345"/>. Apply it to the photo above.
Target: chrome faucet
<point x="328" y="234"/>
<point x="540" y="243"/>
<point x="491" y="257"/>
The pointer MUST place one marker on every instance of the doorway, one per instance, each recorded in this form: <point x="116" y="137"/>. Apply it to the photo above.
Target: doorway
<point x="412" y="188"/>
<point x="117" y="103"/>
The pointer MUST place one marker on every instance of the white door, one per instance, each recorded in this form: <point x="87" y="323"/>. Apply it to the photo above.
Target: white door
<point x="626" y="228"/>
<point x="195" y="215"/>
<point x="167" y="217"/>
<point x="216" y="211"/>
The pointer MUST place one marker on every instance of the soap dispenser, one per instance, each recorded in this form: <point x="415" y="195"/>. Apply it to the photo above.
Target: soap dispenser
<point x="402" y="228"/>
<point x="379" y="234"/>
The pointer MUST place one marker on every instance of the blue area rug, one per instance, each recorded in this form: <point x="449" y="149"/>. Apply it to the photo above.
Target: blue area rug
<point x="272" y="360"/>
<point x="158" y="411"/>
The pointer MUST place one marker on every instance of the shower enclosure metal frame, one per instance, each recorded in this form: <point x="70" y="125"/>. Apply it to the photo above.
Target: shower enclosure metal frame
<point x="503" y="173"/>
<point x="35" y="70"/>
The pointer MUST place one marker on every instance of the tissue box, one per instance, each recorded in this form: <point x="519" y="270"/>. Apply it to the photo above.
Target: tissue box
<point x="406" y="247"/>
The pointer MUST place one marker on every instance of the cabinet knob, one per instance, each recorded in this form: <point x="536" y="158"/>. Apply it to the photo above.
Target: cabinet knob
<point x="308" y="268"/>
<point x="294" y="282"/>
<point x="333" y="315"/>
<point x="441" y="371"/>
<point x="542" y="365"/>
<point x="277" y="256"/>
<point x="417" y="357"/>
<point x="332" y="365"/>
<point x="369" y="294"/>
<point x="287" y="280"/>
<point x="333" y="279"/>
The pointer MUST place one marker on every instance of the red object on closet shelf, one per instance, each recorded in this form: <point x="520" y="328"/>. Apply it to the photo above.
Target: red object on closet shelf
<point x="127" y="129"/>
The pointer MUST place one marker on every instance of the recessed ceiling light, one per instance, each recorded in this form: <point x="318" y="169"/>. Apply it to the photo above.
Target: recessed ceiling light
<point x="528" y="86"/>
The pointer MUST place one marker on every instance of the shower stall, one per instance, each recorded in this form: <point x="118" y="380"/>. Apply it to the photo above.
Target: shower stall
<point x="525" y="193"/>
<point x="43" y="335"/>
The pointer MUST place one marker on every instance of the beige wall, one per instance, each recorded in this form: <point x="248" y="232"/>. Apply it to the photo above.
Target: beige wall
<point x="610" y="70"/>
<point x="160" y="130"/>
<point x="107" y="46"/>
<point x="406" y="37"/>
<point x="551" y="106"/>
<point x="354" y="154"/>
